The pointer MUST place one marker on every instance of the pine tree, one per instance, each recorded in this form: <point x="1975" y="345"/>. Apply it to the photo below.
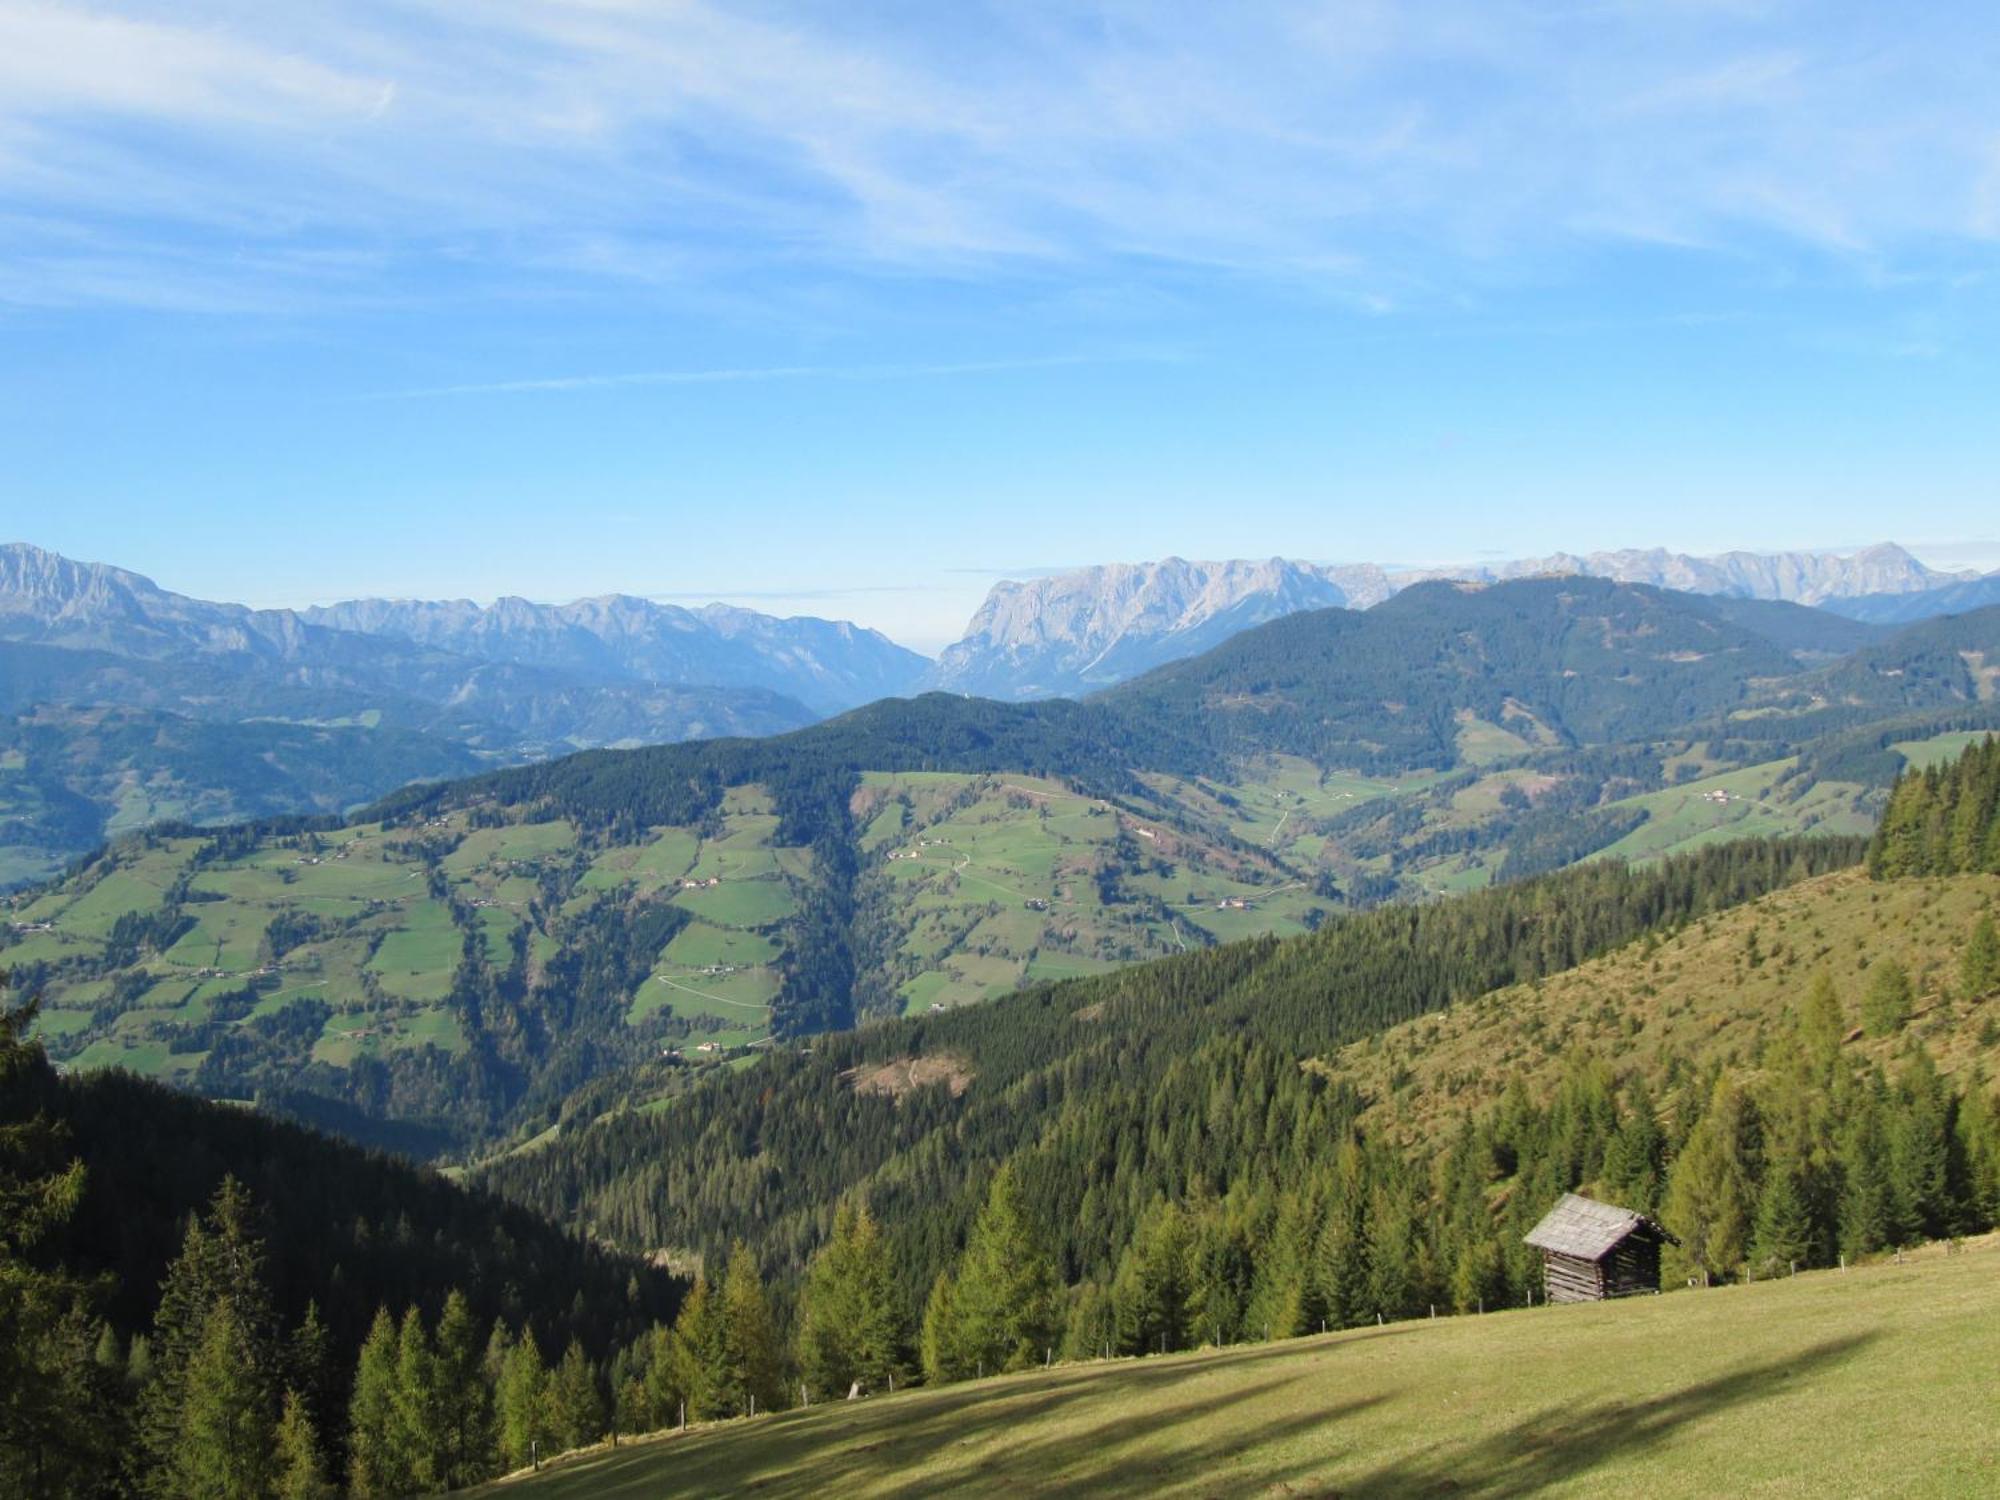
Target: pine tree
<point x="1155" y="1284"/>
<point x="1866" y="1206"/>
<point x="420" y="1431"/>
<point x="1979" y="965"/>
<point x="1784" y="1228"/>
<point x="576" y="1409"/>
<point x="227" y="1435"/>
<point x="847" y="1319"/>
<point x="1633" y="1157"/>
<point x="523" y="1405"/>
<point x="57" y="1423"/>
<point x="1885" y="1006"/>
<point x="1091" y="1329"/>
<point x="702" y="1355"/>
<point x="377" y="1460"/>
<point x="749" y="1337"/>
<point x="1006" y="1298"/>
<point x="221" y="1264"/>
<point x="464" y="1403"/>
<point x="300" y="1472"/>
<point x="309" y="1369"/>
<point x="1920" y="1146"/>
<point x="938" y="1342"/>
<point x="1709" y="1200"/>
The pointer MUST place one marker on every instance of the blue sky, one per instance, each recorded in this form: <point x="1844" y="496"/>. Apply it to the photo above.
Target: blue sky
<point x="849" y="309"/>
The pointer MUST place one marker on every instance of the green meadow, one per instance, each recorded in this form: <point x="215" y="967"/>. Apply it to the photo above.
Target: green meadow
<point x="1875" y="1381"/>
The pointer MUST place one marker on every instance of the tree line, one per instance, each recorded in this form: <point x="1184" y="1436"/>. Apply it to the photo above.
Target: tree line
<point x="1942" y="820"/>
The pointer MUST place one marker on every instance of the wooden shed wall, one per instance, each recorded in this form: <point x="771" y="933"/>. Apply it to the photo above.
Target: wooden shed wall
<point x="1630" y="1267"/>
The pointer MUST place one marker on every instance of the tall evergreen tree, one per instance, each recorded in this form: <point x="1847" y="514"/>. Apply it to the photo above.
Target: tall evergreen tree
<point x="522" y="1404"/>
<point x="419" y="1421"/>
<point x="752" y="1360"/>
<point x="300" y="1471"/>
<point x="377" y="1459"/>
<point x="576" y="1408"/>
<point x="221" y="1264"/>
<point x="1885" y="1004"/>
<point x="463" y="1407"/>
<point x="227" y="1434"/>
<point x="56" y="1422"/>
<point x="1709" y="1195"/>
<point x="1979" y="965"/>
<point x="1633" y="1157"/>
<point x="847" y="1317"/>
<point x="1005" y="1302"/>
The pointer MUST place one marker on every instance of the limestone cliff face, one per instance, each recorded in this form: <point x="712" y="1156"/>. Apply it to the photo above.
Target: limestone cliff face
<point x="1075" y="632"/>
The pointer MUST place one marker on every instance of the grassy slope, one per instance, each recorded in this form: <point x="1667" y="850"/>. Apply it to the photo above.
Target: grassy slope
<point x="1874" y="1381"/>
<point x="1699" y="994"/>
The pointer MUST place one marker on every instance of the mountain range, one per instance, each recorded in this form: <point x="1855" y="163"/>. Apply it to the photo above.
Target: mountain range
<point x="118" y="697"/>
<point x="460" y="957"/>
<point x="326" y="708"/>
<point x="1076" y="631"/>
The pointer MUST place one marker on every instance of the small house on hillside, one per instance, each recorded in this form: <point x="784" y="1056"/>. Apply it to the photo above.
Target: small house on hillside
<point x="1593" y="1250"/>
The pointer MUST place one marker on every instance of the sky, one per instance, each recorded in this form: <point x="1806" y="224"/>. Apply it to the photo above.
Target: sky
<point x="850" y="310"/>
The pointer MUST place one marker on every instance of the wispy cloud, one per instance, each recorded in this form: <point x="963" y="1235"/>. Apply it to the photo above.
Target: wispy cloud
<point x="1387" y="150"/>
<point x="771" y="373"/>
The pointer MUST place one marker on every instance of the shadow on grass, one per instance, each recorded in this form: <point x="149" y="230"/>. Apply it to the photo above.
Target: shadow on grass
<point x="1264" y="1419"/>
<point x="1563" y="1442"/>
<point x="1120" y="1430"/>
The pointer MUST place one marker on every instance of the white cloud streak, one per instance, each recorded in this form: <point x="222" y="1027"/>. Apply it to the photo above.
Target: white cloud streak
<point x="1380" y="148"/>
<point x="771" y="373"/>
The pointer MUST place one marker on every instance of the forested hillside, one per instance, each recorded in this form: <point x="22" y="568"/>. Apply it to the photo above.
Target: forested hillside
<point x="443" y="969"/>
<point x="1785" y="1060"/>
<point x="176" y="1275"/>
<point x="1112" y="1091"/>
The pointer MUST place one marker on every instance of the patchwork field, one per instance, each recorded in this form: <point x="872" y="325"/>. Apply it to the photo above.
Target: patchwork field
<point x="1876" y="1381"/>
<point x="372" y="925"/>
<point x="988" y="882"/>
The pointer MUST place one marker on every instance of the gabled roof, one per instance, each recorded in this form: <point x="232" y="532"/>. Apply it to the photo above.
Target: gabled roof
<point x="1587" y="1229"/>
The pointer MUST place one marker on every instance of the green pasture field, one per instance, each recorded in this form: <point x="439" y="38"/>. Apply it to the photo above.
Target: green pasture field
<point x="740" y="903"/>
<point x="1876" y="1381"/>
<point x="416" y="961"/>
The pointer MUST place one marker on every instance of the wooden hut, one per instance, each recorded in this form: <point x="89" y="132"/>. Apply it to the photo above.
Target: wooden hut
<point x="1593" y="1250"/>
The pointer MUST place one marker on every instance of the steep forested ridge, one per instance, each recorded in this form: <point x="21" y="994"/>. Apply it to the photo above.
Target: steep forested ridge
<point x="1100" y="1081"/>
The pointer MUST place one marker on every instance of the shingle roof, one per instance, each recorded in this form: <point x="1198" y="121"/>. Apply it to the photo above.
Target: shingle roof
<point x="1585" y="1228"/>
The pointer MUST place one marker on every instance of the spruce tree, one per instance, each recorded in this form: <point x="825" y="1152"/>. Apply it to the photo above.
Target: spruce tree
<point x="847" y="1318"/>
<point x="751" y="1356"/>
<point x="938" y="1346"/>
<point x="576" y="1409"/>
<point x="464" y="1402"/>
<point x="300" y="1471"/>
<point x="1866" y="1204"/>
<point x="1885" y="1005"/>
<point x="227" y="1434"/>
<point x="1709" y="1199"/>
<point x="57" y="1405"/>
<point x="1979" y="965"/>
<point x="701" y="1356"/>
<point x="419" y="1426"/>
<point x="1783" y="1235"/>
<point x="221" y="1264"/>
<point x="1006" y="1301"/>
<point x="1155" y="1284"/>
<point x="522" y="1404"/>
<point x="1633" y="1156"/>
<point x="377" y="1459"/>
